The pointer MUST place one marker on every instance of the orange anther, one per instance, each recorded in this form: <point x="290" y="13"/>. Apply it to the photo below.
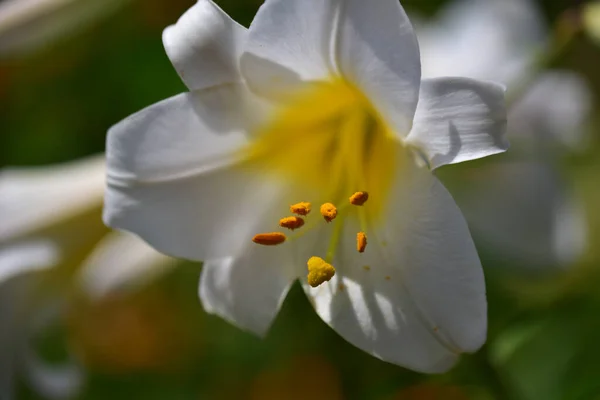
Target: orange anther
<point x="269" y="239"/>
<point x="359" y="198"/>
<point x="302" y="208"/>
<point x="328" y="211"/>
<point x="361" y="242"/>
<point x="291" y="222"/>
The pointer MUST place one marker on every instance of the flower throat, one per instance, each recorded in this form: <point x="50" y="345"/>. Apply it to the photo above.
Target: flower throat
<point x="328" y="139"/>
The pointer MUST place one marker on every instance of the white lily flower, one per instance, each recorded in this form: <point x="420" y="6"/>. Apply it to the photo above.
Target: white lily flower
<point x="518" y="207"/>
<point x="52" y="225"/>
<point x="316" y="101"/>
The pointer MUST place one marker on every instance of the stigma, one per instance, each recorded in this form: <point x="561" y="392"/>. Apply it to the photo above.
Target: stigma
<point x="319" y="271"/>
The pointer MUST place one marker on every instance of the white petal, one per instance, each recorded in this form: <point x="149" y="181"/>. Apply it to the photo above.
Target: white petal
<point x="172" y="177"/>
<point x="204" y="46"/>
<point x="370" y="44"/>
<point x="378" y="316"/>
<point x="289" y="41"/>
<point x="248" y="290"/>
<point x="34" y="198"/>
<point x="521" y="212"/>
<point x="179" y="136"/>
<point x="483" y="39"/>
<point x="459" y="119"/>
<point x="421" y="301"/>
<point x="552" y="112"/>
<point x="377" y="50"/>
<point x="32" y="255"/>
<point x="30" y="25"/>
<point x="121" y="260"/>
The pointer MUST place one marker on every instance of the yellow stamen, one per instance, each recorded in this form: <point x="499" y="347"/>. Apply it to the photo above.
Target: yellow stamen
<point x="302" y="208"/>
<point x="328" y="211"/>
<point x="291" y="222"/>
<point x="269" y="239"/>
<point x="359" y="198"/>
<point x="319" y="271"/>
<point x="361" y="242"/>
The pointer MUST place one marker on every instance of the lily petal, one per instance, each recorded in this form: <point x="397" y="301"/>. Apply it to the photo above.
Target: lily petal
<point x="204" y="46"/>
<point x="173" y="176"/>
<point x="34" y="198"/>
<point x="459" y="119"/>
<point x="289" y="42"/>
<point x="120" y="260"/>
<point x="522" y="212"/>
<point x="483" y="39"/>
<point x="247" y="291"/>
<point x="248" y="288"/>
<point x="416" y="296"/>
<point x="372" y="45"/>
<point x="552" y="112"/>
<point x="32" y="25"/>
<point x="32" y="255"/>
<point x="377" y="50"/>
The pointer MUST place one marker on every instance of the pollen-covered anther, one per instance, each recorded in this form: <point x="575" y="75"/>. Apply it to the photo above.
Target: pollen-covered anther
<point x="291" y="222"/>
<point x="302" y="208"/>
<point x="319" y="271"/>
<point x="361" y="242"/>
<point x="328" y="211"/>
<point x="359" y="198"/>
<point x="269" y="239"/>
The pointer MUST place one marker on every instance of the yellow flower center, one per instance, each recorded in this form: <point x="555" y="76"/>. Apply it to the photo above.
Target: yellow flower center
<point x="328" y="139"/>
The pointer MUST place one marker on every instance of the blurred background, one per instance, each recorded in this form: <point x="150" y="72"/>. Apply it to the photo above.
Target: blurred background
<point x="86" y="313"/>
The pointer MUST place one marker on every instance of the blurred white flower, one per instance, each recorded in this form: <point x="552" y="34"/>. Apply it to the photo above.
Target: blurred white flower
<point x="319" y="99"/>
<point x="28" y="25"/>
<point x="52" y="233"/>
<point x="519" y="207"/>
